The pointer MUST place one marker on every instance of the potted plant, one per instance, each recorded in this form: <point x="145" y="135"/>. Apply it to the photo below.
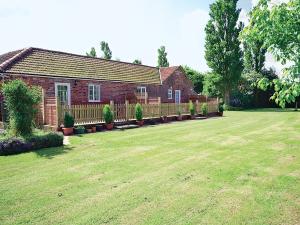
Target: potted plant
<point x="88" y="129"/>
<point x="108" y="117"/>
<point x="179" y="116"/>
<point x="68" y="128"/>
<point x="93" y="129"/>
<point x="192" y="110"/>
<point x="221" y="109"/>
<point x="139" y="114"/>
<point x="204" y="109"/>
<point x="79" y="130"/>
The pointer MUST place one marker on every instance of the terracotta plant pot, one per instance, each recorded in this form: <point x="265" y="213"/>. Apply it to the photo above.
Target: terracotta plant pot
<point x="68" y="130"/>
<point x="220" y="113"/>
<point x="109" y="126"/>
<point x="94" y="129"/>
<point x="89" y="130"/>
<point x="179" y="118"/>
<point x="140" y="122"/>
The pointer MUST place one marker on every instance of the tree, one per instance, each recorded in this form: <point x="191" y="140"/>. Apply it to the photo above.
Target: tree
<point x="107" y="54"/>
<point x="137" y="61"/>
<point x="278" y="25"/>
<point x="162" y="60"/>
<point x="20" y="101"/>
<point x="212" y="85"/>
<point x="196" y="78"/>
<point x="92" y="53"/>
<point x="254" y="56"/>
<point x="222" y="46"/>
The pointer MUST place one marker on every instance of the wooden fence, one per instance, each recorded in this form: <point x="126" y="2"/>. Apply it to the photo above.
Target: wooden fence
<point x="92" y="114"/>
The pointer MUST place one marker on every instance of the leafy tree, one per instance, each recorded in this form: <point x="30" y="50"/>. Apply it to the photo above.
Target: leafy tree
<point x="162" y="60"/>
<point x="20" y="101"/>
<point x="137" y="61"/>
<point x="212" y="85"/>
<point x="107" y="54"/>
<point x="92" y="53"/>
<point x="222" y="46"/>
<point x="279" y="27"/>
<point x="196" y="77"/>
<point x="254" y="56"/>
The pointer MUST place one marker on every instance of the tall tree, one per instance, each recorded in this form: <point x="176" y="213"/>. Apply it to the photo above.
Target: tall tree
<point x="162" y="60"/>
<point x="196" y="77"/>
<point x="92" y="53"/>
<point x="137" y="61"/>
<point x="222" y="46"/>
<point x="278" y="25"/>
<point x="107" y="54"/>
<point x="254" y="56"/>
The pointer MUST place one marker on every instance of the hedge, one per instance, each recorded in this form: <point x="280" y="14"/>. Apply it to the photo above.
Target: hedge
<point x="16" y="145"/>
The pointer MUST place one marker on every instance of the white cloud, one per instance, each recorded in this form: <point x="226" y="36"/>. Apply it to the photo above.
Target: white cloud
<point x="244" y="17"/>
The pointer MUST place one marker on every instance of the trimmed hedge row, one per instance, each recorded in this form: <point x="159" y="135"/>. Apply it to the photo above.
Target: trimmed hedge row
<point x="19" y="145"/>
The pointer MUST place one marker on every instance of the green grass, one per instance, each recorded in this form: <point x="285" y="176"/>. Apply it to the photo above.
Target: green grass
<point x="243" y="168"/>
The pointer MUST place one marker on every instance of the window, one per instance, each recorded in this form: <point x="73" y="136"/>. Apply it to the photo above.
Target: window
<point x="141" y="90"/>
<point x="94" y="93"/>
<point x="170" y="93"/>
<point x="62" y="92"/>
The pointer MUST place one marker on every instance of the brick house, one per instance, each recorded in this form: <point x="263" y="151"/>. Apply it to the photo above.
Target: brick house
<point x="76" y="79"/>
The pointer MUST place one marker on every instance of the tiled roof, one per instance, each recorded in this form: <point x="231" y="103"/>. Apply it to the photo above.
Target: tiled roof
<point x="166" y="72"/>
<point x="36" y="61"/>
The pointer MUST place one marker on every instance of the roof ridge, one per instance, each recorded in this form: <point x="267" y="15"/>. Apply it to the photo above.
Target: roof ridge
<point x="14" y="58"/>
<point x="84" y="56"/>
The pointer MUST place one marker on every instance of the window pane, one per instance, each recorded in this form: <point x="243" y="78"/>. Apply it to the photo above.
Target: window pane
<point x="91" y="92"/>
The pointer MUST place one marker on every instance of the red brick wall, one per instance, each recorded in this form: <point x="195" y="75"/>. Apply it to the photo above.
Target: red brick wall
<point x="178" y="81"/>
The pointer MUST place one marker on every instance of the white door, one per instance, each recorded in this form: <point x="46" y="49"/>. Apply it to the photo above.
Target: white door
<point x="177" y="96"/>
<point x="62" y="92"/>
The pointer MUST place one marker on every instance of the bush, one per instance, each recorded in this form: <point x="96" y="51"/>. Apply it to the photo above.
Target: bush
<point x="20" y="101"/>
<point x="68" y="121"/>
<point x="138" y="112"/>
<point x="18" y="145"/>
<point x="221" y="107"/>
<point x="204" y="109"/>
<point x="79" y="130"/>
<point x="107" y="114"/>
<point x="192" y="108"/>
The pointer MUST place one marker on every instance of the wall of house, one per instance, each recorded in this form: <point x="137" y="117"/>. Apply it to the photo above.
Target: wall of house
<point x="178" y="81"/>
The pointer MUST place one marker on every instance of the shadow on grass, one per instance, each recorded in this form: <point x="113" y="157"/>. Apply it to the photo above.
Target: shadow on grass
<point x="270" y="110"/>
<point x="50" y="153"/>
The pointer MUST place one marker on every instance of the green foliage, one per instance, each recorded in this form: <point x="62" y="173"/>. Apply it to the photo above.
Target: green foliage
<point x="137" y="61"/>
<point x="107" y="54"/>
<point x="196" y="77"/>
<point x="221" y="107"/>
<point x="68" y="120"/>
<point x="204" y="109"/>
<point x="192" y="108"/>
<point x="222" y="46"/>
<point x="20" y="101"/>
<point x="14" y="145"/>
<point x="179" y="111"/>
<point x="92" y="53"/>
<point x="162" y="60"/>
<point x="79" y="130"/>
<point x="138" y="112"/>
<point x="107" y="114"/>
<point x="212" y="85"/>
<point x="279" y="28"/>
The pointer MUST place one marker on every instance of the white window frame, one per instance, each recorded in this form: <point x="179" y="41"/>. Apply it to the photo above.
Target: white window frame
<point x="179" y="96"/>
<point x="143" y="94"/>
<point x="68" y="88"/>
<point x="170" y="93"/>
<point x="97" y="86"/>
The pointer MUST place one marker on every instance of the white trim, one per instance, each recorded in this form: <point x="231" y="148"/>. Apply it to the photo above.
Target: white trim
<point x="97" y="86"/>
<point x="178" y="91"/>
<point x="68" y="88"/>
<point x="171" y="93"/>
<point x="142" y="87"/>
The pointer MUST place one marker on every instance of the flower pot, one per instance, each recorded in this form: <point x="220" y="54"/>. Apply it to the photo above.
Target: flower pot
<point x="220" y="113"/>
<point x="94" y="129"/>
<point x="179" y="118"/>
<point x="109" y="126"/>
<point x="164" y="119"/>
<point x="68" y="130"/>
<point x="140" y="122"/>
<point x="193" y="117"/>
<point x="89" y="130"/>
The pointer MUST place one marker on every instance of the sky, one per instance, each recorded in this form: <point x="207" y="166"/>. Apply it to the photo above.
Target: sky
<point x="134" y="29"/>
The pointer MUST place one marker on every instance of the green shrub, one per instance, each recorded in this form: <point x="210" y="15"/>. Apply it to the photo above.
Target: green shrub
<point x="79" y="130"/>
<point x="221" y="107"/>
<point x="192" y="108"/>
<point x="138" y="112"/>
<point x="179" y="112"/>
<point x="204" y="109"/>
<point x="107" y="114"/>
<point x="20" y="101"/>
<point x="68" y="120"/>
<point x="18" y="145"/>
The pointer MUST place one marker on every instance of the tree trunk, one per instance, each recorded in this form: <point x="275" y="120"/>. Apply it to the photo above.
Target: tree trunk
<point x="296" y="105"/>
<point x="226" y="97"/>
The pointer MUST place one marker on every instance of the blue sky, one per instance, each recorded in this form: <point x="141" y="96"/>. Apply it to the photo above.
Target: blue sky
<point x="133" y="28"/>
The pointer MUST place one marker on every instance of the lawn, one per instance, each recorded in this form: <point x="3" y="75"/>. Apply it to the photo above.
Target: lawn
<point x="243" y="168"/>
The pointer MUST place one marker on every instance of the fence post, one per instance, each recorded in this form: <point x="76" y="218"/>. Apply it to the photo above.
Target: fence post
<point x="159" y="106"/>
<point x="111" y="103"/>
<point x="146" y="97"/>
<point x="58" y="112"/>
<point x="43" y="106"/>
<point x="126" y="110"/>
